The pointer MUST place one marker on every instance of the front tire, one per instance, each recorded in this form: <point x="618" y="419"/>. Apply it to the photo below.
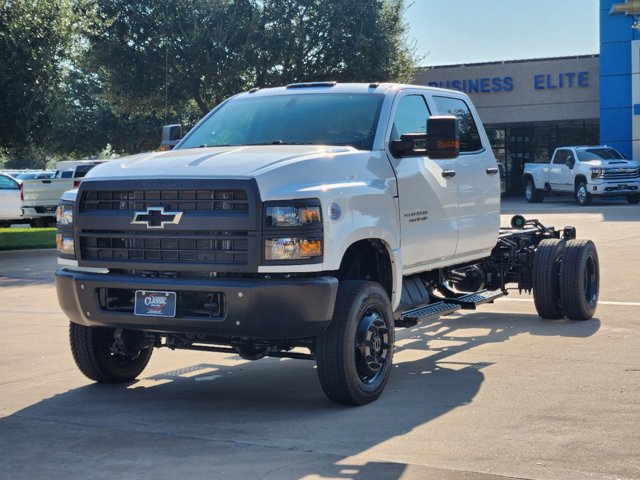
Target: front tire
<point x="633" y="199"/>
<point x="583" y="197"/>
<point x="579" y="280"/>
<point x="354" y="355"/>
<point x="92" y="350"/>
<point x="531" y="193"/>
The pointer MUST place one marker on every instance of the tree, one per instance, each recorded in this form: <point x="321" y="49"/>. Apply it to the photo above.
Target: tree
<point x="343" y="40"/>
<point x="161" y="55"/>
<point x="35" y="41"/>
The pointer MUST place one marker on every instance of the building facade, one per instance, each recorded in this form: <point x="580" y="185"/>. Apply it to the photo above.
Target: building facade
<point x="529" y="107"/>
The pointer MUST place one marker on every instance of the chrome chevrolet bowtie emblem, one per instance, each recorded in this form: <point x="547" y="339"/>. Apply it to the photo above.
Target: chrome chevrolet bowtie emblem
<point x="156" y="217"/>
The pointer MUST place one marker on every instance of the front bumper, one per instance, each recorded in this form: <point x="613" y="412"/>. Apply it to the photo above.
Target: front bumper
<point x="258" y="309"/>
<point x="613" y="189"/>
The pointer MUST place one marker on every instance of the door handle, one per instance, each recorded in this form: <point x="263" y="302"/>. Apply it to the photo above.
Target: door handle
<point x="448" y="173"/>
<point x="492" y="170"/>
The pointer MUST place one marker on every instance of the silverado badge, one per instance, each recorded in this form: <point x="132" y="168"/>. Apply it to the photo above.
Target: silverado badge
<point x="156" y="217"/>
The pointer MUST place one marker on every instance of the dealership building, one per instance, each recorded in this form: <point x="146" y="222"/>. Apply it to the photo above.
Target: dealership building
<point x="530" y="107"/>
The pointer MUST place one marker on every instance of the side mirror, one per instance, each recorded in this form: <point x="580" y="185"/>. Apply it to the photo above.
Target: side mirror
<point x="443" y="137"/>
<point x="571" y="162"/>
<point x="401" y="147"/>
<point x="171" y="135"/>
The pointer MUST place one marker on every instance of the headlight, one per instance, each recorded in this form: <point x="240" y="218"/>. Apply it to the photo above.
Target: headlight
<point x="292" y="248"/>
<point x="292" y="216"/>
<point x="64" y="215"/>
<point x="65" y="245"/>
<point x="595" y="173"/>
<point x="64" y="237"/>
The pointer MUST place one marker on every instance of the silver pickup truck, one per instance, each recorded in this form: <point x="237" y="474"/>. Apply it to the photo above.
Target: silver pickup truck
<point x="584" y="172"/>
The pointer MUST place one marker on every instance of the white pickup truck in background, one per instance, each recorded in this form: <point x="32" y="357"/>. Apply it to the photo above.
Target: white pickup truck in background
<point x="584" y="172"/>
<point x="40" y="196"/>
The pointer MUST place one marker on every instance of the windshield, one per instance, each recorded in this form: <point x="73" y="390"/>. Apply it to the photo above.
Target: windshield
<point x="599" y="154"/>
<point x="299" y="119"/>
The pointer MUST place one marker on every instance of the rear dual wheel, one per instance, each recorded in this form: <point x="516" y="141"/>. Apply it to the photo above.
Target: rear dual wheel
<point x="566" y="279"/>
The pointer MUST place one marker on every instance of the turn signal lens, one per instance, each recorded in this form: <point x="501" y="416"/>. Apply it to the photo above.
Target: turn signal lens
<point x="292" y="248"/>
<point x="65" y="245"/>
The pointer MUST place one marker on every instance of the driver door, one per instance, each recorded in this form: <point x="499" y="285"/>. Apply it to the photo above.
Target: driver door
<point x="427" y="196"/>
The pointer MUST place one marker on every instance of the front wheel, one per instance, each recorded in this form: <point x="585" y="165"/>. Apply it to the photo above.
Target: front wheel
<point x="583" y="197"/>
<point x="108" y="355"/>
<point x="633" y="199"/>
<point x="531" y="193"/>
<point x="354" y="355"/>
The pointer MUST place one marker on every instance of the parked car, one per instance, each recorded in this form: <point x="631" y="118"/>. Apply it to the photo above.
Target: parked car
<point x="584" y="172"/>
<point x="10" y="201"/>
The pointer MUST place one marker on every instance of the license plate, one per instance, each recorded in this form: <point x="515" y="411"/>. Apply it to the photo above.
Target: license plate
<point x="155" y="304"/>
<point x="622" y="187"/>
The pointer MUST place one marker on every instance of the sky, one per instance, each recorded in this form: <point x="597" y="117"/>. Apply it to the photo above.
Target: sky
<point x="448" y="32"/>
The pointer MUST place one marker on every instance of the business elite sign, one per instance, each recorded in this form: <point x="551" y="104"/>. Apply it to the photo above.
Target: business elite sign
<point x="538" y="81"/>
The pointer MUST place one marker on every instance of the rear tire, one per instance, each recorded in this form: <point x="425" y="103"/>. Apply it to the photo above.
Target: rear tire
<point x="633" y="199"/>
<point x="531" y="193"/>
<point x="91" y="349"/>
<point x="579" y="280"/>
<point x="354" y="355"/>
<point x="583" y="197"/>
<point x="546" y="281"/>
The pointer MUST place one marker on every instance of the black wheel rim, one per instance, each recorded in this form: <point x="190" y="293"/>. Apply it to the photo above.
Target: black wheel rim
<point x="590" y="281"/>
<point x="372" y="345"/>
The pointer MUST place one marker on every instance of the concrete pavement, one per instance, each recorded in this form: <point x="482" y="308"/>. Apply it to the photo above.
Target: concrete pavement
<point x="483" y="395"/>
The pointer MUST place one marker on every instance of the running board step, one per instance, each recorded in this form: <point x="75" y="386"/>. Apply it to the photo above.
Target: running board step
<point x="471" y="301"/>
<point x="428" y="312"/>
<point x="447" y="306"/>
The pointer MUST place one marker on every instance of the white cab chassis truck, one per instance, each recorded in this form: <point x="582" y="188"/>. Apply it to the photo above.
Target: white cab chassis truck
<point x="317" y="218"/>
<point x="584" y="172"/>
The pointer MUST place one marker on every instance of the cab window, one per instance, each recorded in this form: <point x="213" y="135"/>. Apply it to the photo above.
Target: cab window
<point x="469" y="135"/>
<point x="411" y="117"/>
<point x="560" y="158"/>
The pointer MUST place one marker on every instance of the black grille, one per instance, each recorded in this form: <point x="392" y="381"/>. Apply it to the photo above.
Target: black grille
<point x="182" y="200"/>
<point x="201" y="247"/>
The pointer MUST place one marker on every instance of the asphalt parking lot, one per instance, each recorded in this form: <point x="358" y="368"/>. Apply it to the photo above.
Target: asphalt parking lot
<point x="496" y="393"/>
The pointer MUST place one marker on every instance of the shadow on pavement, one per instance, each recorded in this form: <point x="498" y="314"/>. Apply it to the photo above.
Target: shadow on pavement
<point x="259" y="420"/>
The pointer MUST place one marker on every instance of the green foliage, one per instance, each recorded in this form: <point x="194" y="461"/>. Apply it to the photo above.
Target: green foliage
<point x="36" y="39"/>
<point x="201" y="51"/>
<point x="343" y="40"/>
<point x="154" y="54"/>
<point x="80" y="75"/>
<point x="25" y="238"/>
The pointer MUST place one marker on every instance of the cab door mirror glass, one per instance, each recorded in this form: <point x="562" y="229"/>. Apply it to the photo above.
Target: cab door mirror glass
<point x="443" y="137"/>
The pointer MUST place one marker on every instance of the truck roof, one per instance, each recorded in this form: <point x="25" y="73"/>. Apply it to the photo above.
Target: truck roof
<point x="336" y="87"/>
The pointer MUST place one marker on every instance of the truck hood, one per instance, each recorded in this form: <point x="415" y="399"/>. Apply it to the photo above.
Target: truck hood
<point x="241" y="161"/>
<point x="618" y="163"/>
